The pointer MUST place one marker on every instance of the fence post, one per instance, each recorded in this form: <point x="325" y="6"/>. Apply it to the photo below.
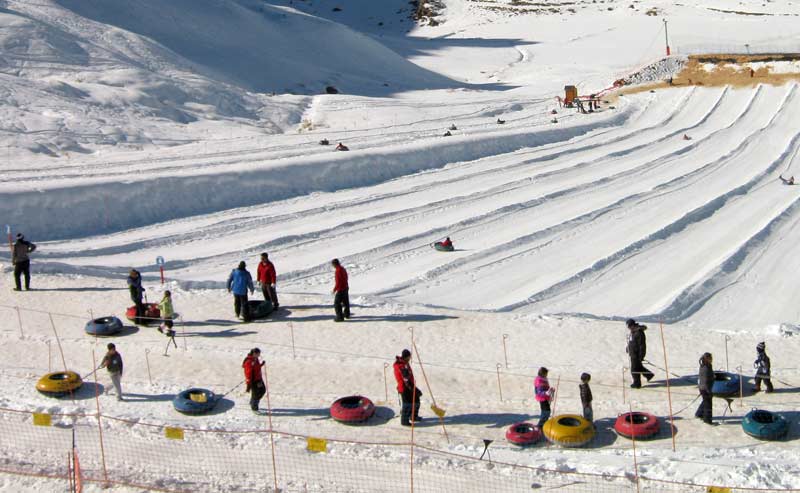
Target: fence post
<point x="499" y="388"/>
<point x="99" y="424"/>
<point x="633" y="444"/>
<point x="291" y="331"/>
<point x="58" y="340"/>
<point x="147" y="360"/>
<point x="624" y="395"/>
<point x="269" y="421"/>
<point x="386" y="382"/>
<point x="505" y="351"/>
<point x="669" y="391"/>
<point x="49" y="358"/>
<point x="19" y="321"/>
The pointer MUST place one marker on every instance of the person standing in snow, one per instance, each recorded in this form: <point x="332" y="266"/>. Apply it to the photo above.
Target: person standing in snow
<point x="543" y="393"/>
<point x="705" y="384"/>
<point x="586" y="397"/>
<point x="136" y="291"/>
<point x="20" y="257"/>
<point x="253" y="377"/>
<point x="266" y="277"/>
<point x="112" y="361"/>
<point x="637" y="349"/>
<point x="239" y="282"/>
<point x="167" y="313"/>
<point x="341" y="292"/>
<point x="407" y="388"/>
<point x="763" y="368"/>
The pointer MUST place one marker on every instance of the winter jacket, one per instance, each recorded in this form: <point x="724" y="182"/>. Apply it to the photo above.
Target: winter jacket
<point x="135" y="288"/>
<point x="340" y="275"/>
<point x="542" y="390"/>
<point x="21" y="250"/>
<point x="240" y="281"/>
<point x="447" y="243"/>
<point x="637" y="343"/>
<point x="112" y="362"/>
<point x="252" y="369"/>
<point x="762" y="364"/>
<point x="266" y="272"/>
<point x="403" y="375"/>
<point x="705" y="380"/>
<point x="165" y="307"/>
<point x="586" y="394"/>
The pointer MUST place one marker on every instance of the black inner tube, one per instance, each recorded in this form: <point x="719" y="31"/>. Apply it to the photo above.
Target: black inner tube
<point x="763" y="417"/>
<point x="569" y="422"/>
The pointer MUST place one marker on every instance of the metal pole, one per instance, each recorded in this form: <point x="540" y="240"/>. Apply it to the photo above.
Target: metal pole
<point x="505" y="352"/>
<point x="19" y="321"/>
<point x="269" y="421"/>
<point x="147" y="360"/>
<point x="666" y="42"/>
<point x="386" y="382"/>
<point x="99" y="426"/>
<point x="727" y="338"/>
<point x="633" y="444"/>
<point x="294" y="354"/>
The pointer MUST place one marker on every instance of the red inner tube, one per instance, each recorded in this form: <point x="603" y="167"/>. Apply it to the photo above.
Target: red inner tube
<point x="523" y="434"/>
<point x="637" y="424"/>
<point x="352" y="409"/>
<point x="151" y="311"/>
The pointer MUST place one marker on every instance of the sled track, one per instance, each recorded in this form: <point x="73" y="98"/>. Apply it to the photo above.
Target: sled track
<point x="556" y="228"/>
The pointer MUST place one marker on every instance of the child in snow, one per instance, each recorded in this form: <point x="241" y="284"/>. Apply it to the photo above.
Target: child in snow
<point x="586" y="397"/>
<point x="167" y="313"/>
<point x="543" y="394"/>
<point x="762" y="366"/>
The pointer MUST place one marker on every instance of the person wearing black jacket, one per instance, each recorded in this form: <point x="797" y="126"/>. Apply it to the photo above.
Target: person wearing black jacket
<point x="586" y="397"/>
<point x="763" y="368"/>
<point x="637" y="350"/>
<point x="22" y="262"/>
<point x="705" y="383"/>
<point x="137" y="291"/>
<point x="112" y="361"/>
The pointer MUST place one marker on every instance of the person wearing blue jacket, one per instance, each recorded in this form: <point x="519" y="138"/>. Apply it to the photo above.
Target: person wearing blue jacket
<point x="239" y="282"/>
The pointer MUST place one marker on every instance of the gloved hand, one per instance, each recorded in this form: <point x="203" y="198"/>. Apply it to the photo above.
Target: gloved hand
<point x="272" y="285"/>
<point x="247" y="389"/>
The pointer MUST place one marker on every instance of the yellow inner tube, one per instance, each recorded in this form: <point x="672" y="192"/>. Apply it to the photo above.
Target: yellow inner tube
<point x="568" y="430"/>
<point x="58" y="382"/>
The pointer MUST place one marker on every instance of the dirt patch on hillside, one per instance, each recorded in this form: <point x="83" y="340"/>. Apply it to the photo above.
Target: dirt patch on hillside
<point x="731" y="70"/>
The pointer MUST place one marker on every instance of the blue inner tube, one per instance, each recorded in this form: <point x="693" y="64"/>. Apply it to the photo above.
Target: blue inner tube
<point x="765" y="425"/>
<point x="104" y="326"/>
<point x="439" y="246"/>
<point x="195" y="401"/>
<point x="725" y="383"/>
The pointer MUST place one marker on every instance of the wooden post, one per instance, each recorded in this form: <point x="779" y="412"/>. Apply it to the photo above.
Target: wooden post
<point x="291" y="331"/>
<point x="99" y="425"/>
<point x="60" y="349"/>
<point x="669" y="391"/>
<point x="555" y="396"/>
<point x="633" y="444"/>
<point x="430" y="391"/>
<point x="147" y="360"/>
<point x="19" y="321"/>
<point x="271" y="439"/>
<point x="386" y="382"/>
<point x="624" y="394"/>
<point x="499" y="388"/>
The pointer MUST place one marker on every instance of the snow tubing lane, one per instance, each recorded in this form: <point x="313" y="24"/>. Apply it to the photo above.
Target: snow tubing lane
<point x="151" y="313"/>
<point x="59" y="383"/>
<point x="523" y="434"/>
<point x="765" y="425"/>
<point x="259" y="309"/>
<point x="637" y="425"/>
<point x="104" y="326"/>
<point x="725" y="383"/>
<point x="568" y="430"/>
<point x="352" y="409"/>
<point x="439" y="246"/>
<point x="194" y="401"/>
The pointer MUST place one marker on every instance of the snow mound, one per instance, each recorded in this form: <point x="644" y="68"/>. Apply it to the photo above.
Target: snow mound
<point x="661" y="70"/>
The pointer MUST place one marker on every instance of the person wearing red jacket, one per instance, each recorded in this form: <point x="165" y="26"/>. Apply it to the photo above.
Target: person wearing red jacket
<point x="252" y="377"/>
<point x="341" y="292"/>
<point x="407" y="388"/>
<point x="266" y="278"/>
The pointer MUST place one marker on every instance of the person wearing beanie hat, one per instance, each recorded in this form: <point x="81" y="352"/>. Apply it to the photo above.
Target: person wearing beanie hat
<point x="705" y="384"/>
<point x="763" y="368"/>
<point x="253" y="377"/>
<point x="22" y="262"/>
<point x="407" y="388"/>
<point x="266" y="278"/>
<point x="637" y="349"/>
<point x="586" y="397"/>
<point x="239" y="282"/>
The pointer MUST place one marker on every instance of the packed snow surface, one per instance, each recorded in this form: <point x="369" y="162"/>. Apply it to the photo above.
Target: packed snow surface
<point x="191" y="130"/>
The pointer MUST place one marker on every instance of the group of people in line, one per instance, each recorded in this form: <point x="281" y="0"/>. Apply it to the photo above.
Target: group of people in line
<point x="637" y="350"/>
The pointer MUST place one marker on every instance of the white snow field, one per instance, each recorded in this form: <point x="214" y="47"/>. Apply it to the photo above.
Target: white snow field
<point x="191" y="129"/>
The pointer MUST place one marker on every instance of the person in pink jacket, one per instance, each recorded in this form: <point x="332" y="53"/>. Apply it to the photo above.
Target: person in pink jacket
<point x="543" y="394"/>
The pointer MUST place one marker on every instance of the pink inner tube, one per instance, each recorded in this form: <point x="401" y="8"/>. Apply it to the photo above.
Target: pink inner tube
<point x="523" y="434"/>
<point x="637" y="425"/>
<point x="352" y="409"/>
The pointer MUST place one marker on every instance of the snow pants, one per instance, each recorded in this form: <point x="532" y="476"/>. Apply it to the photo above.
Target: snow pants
<point x="341" y="304"/>
<point x="270" y="294"/>
<point x="704" y="410"/>
<point x="408" y="399"/>
<point x="637" y="370"/>
<point x="240" y="306"/>
<point x="257" y="391"/>
<point x="767" y="381"/>
<point x="22" y="268"/>
<point x="116" y="380"/>
<point x="544" y="414"/>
